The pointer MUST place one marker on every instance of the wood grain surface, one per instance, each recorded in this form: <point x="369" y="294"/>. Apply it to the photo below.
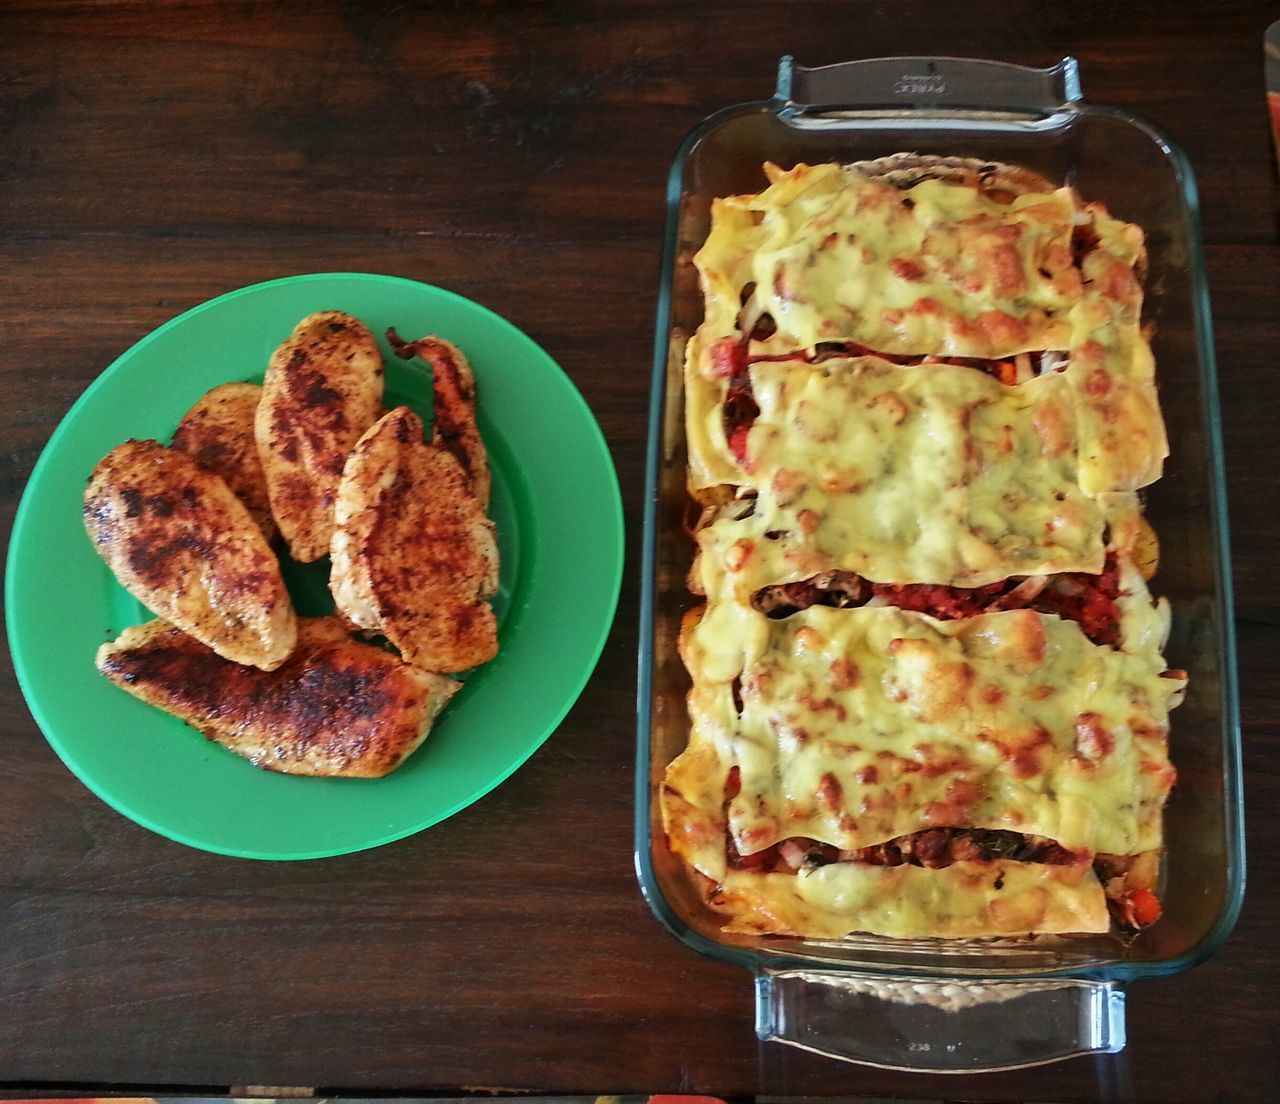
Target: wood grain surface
<point x="155" y="155"/>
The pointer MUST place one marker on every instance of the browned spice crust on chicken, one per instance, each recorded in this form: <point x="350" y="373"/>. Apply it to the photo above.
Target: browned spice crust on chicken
<point x="322" y="390"/>
<point x="218" y="433"/>
<point x="187" y="548"/>
<point x="337" y="708"/>
<point x="453" y="386"/>
<point x="414" y="556"/>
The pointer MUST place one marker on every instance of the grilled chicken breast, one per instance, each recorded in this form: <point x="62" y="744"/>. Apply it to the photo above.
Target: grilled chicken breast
<point x="218" y="433"/>
<point x="322" y="390"/>
<point x="187" y="548"/>
<point x="413" y="555"/>
<point x="338" y="707"/>
<point x="453" y="387"/>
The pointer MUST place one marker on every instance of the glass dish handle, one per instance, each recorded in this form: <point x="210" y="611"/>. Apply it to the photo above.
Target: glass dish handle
<point x="915" y="82"/>
<point x="939" y="1026"/>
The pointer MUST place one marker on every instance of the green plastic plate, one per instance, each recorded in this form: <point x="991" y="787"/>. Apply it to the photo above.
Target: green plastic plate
<point x="559" y="518"/>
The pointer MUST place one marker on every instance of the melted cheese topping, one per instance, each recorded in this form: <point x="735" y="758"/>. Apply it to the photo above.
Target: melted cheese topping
<point x="861" y="725"/>
<point x="941" y="269"/>
<point x="936" y="268"/>
<point x="853" y="727"/>
<point x="1121" y="430"/>
<point x="904" y="475"/>
<point x="965" y="899"/>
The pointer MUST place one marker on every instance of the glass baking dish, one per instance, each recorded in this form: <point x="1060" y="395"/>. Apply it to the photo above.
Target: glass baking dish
<point x="966" y="1005"/>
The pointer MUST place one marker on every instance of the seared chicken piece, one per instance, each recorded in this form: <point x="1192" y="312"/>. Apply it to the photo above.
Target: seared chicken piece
<point x="413" y="555"/>
<point x="218" y="432"/>
<point x="322" y="390"/>
<point x="187" y="548"/>
<point x="453" y="387"/>
<point x="338" y="708"/>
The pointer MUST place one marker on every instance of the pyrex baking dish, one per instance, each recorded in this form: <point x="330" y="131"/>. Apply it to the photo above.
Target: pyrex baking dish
<point x="982" y="1004"/>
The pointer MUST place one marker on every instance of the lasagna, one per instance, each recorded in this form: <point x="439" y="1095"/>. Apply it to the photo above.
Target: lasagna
<point x="928" y="692"/>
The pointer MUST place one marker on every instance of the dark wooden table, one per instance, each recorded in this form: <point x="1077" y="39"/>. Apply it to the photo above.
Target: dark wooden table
<point x="153" y="156"/>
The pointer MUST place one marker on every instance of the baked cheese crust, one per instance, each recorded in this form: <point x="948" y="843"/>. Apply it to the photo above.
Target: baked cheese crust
<point x="932" y="391"/>
<point x="910" y="475"/>
<point x="832" y="255"/>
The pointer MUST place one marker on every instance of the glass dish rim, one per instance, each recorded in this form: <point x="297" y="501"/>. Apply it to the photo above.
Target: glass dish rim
<point x="759" y="960"/>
